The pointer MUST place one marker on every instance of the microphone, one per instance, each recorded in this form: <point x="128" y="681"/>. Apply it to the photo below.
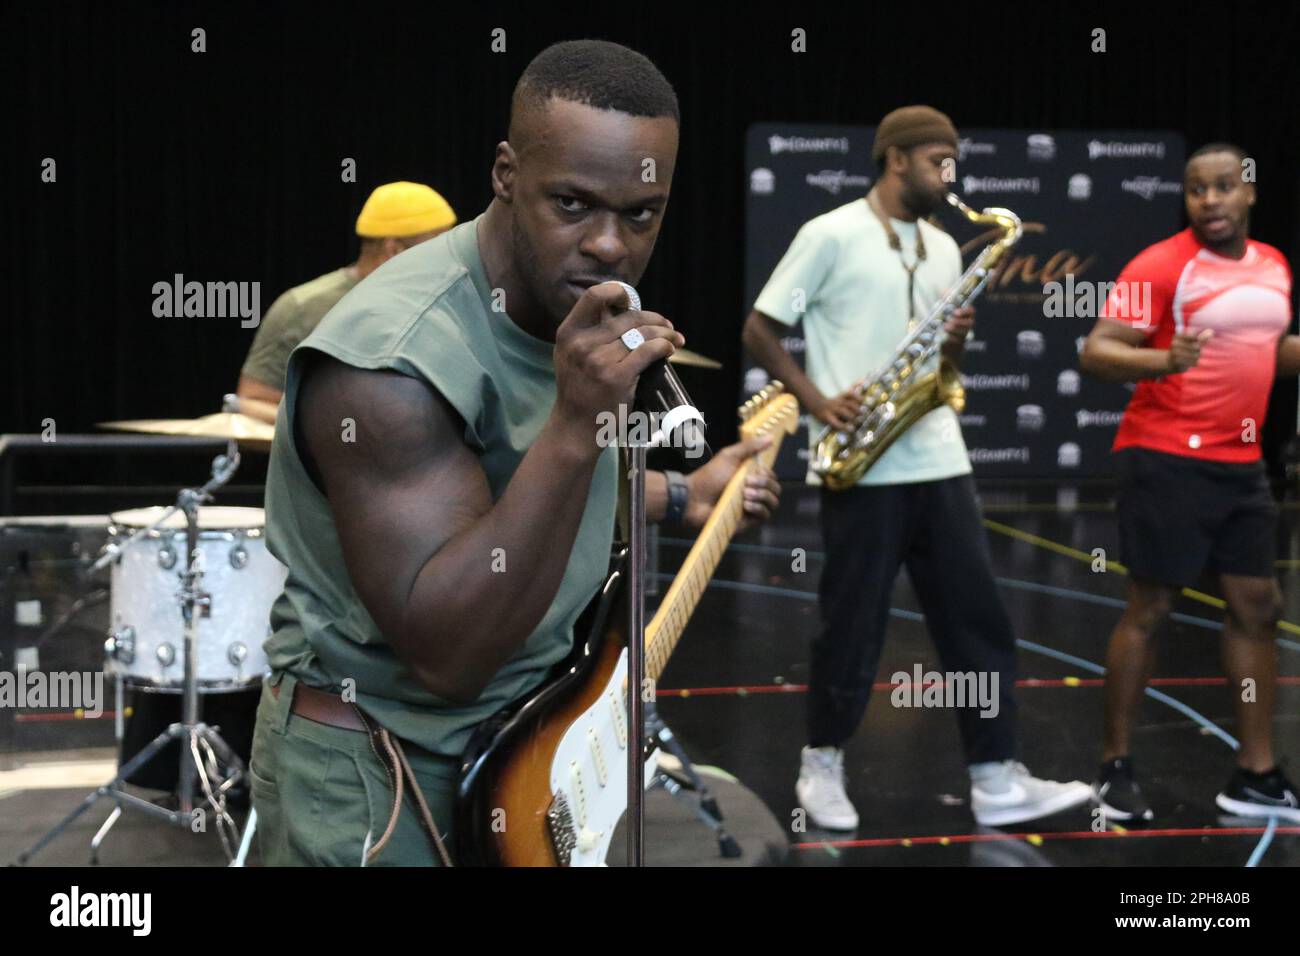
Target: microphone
<point x="660" y="392"/>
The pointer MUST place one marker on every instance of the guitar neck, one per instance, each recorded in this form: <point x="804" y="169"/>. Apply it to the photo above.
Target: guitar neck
<point x="666" y="627"/>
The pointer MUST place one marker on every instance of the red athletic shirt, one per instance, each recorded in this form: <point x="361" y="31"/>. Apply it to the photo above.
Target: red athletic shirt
<point x="1215" y="410"/>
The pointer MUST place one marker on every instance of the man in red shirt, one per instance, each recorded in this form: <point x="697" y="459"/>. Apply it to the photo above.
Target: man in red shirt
<point x="1199" y="320"/>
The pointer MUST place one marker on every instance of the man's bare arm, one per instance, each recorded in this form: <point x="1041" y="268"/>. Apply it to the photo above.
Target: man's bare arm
<point x="260" y="391"/>
<point x="1114" y="351"/>
<point x="455" y="582"/>
<point x="761" y="336"/>
<point x="1288" y="355"/>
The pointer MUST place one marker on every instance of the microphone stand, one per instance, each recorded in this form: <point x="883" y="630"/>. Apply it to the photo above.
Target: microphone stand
<point x="663" y="395"/>
<point x="636" y="656"/>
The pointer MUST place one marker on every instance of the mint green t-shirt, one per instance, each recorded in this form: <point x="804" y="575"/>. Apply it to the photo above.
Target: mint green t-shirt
<point x="853" y="289"/>
<point x="425" y="313"/>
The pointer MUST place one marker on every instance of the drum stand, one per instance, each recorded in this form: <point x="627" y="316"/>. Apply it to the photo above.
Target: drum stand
<point x="201" y="746"/>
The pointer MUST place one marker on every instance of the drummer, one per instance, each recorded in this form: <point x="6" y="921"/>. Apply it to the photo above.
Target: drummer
<point x="396" y="217"/>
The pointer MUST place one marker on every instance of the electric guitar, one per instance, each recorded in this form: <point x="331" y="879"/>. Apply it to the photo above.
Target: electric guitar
<point x="544" y="781"/>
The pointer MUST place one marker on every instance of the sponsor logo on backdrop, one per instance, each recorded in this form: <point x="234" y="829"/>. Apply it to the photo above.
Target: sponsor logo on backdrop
<point x="999" y="456"/>
<point x="973" y="421"/>
<point x="1067" y="383"/>
<point x="1148" y="186"/>
<point x="833" y="180"/>
<point x="1030" y="418"/>
<point x="1118" y="149"/>
<point x="969" y="147"/>
<point x="762" y="182"/>
<point x="1068" y="455"/>
<point x="807" y="144"/>
<point x="794" y="344"/>
<point x="996" y="383"/>
<point x="1080" y="187"/>
<point x="998" y="184"/>
<point x="1104" y="418"/>
<point x="976" y="345"/>
<point x="1029" y="343"/>
<point x="1040" y="147"/>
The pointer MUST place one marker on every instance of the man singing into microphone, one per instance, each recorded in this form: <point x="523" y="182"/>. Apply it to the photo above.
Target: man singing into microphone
<point x="857" y="277"/>
<point x="436" y="486"/>
<point x="1204" y="346"/>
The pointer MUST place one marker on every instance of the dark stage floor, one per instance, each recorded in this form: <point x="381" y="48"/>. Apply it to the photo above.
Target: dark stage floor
<point x="734" y="694"/>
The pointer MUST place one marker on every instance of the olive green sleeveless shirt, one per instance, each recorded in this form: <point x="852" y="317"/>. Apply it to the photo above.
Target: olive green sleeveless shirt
<point x="425" y="313"/>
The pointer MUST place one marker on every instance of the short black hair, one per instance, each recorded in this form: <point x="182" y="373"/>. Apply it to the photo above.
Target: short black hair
<point x="1209" y="148"/>
<point x="596" y="73"/>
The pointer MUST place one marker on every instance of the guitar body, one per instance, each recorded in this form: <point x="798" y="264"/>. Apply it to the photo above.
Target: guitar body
<point x="544" y="781"/>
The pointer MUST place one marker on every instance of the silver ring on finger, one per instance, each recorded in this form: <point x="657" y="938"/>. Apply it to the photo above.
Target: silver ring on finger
<point x="633" y="338"/>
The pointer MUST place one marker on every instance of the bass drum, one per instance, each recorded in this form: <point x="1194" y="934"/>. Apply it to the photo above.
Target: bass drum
<point x="146" y="642"/>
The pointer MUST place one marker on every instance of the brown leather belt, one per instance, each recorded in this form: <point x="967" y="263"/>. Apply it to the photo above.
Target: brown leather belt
<point x="331" y="710"/>
<point x="323" y="708"/>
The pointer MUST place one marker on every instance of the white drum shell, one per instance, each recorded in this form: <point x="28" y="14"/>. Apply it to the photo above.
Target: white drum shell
<point x="240" y="576"/>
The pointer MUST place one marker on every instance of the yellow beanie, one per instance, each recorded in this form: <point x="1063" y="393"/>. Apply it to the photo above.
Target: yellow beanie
<point x="403" y="209"/>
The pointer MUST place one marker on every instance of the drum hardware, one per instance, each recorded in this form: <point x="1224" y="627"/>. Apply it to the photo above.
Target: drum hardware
<point x="203" y="751"/>
<point x="120" y="645"/>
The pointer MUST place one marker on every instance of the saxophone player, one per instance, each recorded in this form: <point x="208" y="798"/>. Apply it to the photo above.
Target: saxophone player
<point x="857" y="276"/>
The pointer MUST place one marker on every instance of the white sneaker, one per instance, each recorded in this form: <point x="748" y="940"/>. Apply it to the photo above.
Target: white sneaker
<point x="1005" y="793"/>
<point x="821" y="789"/>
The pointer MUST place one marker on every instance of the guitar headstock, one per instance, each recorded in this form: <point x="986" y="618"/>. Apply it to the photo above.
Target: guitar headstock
<point x="771" y="410"/>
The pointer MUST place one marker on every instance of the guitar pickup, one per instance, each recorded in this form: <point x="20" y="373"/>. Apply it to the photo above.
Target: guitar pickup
<point x="597" y="756"/>
<point x="619" y="717"/>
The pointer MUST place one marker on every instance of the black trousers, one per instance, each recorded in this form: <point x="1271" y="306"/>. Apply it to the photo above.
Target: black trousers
<point x="934" y="528"/>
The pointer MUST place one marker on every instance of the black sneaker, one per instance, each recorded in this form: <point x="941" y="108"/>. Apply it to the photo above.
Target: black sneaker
<point x="1268" y="794"/>
<point x="1118" y="793"/>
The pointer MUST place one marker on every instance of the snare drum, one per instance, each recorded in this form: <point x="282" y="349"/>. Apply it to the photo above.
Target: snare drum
<point x="146" y="642"/>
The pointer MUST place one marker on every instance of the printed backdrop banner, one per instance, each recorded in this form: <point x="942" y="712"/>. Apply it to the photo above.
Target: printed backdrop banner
<point x="1090" y="201"/>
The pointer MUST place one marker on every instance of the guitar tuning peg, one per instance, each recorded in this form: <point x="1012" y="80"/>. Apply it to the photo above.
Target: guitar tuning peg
<point x="778" y="387"/>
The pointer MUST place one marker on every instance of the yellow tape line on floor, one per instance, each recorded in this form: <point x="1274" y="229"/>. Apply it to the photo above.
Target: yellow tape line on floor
<point x="1084" y="556"/>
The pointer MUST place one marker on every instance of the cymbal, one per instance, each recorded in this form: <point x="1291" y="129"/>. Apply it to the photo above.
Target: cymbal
<point x="694" y="359"/>
<point x="248" y="431"/>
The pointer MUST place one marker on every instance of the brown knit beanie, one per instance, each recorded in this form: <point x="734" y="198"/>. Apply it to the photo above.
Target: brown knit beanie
<point x="912" y="126"/>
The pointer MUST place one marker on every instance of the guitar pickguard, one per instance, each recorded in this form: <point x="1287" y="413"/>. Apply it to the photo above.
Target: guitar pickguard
<point x="589" y="775"/>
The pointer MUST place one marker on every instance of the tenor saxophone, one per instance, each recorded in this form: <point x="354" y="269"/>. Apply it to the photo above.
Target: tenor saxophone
<point x="907" y="388"/>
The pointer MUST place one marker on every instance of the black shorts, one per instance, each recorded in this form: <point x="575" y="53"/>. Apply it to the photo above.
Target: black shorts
<point x="1180" y="516"/>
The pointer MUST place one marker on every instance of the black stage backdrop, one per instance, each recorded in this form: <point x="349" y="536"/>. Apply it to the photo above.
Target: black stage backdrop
<point x="225" y="165"/>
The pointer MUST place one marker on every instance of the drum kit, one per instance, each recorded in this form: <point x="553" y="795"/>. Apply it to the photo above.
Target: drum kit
<point x="191" y="591"/>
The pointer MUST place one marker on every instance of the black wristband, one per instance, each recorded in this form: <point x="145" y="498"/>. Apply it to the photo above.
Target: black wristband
<point x="678" y="492"/>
